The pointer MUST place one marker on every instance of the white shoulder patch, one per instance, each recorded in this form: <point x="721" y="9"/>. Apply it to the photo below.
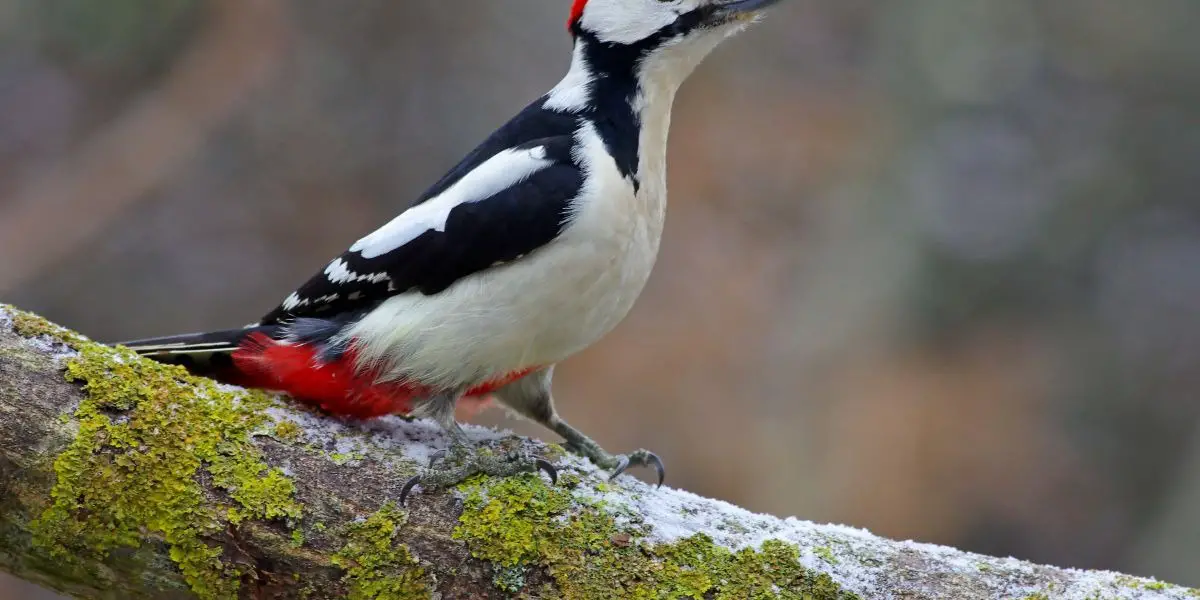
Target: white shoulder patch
<point x="501" y="171"/>
<point x="575" y="89"/>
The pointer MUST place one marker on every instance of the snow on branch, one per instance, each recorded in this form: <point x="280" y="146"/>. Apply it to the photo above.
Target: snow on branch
<point x="120" y="477"/>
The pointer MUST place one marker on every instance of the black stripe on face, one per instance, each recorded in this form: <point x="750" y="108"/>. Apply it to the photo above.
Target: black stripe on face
<point x="614" y="67"/>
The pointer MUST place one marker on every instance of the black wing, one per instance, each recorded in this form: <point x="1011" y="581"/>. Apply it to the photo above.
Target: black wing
<point x="477" y="235"/>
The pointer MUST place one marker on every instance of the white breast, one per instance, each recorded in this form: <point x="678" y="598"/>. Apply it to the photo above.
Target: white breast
<point x="537" y="310"/>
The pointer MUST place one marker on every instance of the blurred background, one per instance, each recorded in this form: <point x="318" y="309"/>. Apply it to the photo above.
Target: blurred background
<point x="931" y="267"/>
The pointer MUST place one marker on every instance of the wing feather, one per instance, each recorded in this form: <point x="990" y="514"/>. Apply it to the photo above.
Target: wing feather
<point x="512" y="204"/>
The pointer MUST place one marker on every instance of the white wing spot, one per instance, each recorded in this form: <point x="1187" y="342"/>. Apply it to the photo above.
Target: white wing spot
<point x="339" y="272"/>
<point x="292" y="301"/>
<point x="505" y="169"/>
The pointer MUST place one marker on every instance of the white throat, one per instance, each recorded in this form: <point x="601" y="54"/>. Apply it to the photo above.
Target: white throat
<point x="659" y="76"/>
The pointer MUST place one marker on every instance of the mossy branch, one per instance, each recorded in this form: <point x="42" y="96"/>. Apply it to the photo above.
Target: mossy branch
<point x="124" y="478"/>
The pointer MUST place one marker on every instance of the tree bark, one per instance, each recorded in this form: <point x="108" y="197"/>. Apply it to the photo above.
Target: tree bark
<point x="122" y="478"/>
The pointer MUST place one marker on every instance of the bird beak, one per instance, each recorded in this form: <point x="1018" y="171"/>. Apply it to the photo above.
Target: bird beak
<point x="732" y="10"/>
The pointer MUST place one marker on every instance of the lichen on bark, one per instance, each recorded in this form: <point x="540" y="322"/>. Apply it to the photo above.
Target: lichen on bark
<point x="521" y="522"/>
<point x="147" y="433"/>
<point x="377" y="566"/>
<point x="140" y="481"/>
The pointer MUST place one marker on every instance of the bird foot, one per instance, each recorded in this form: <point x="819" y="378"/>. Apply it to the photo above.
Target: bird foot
<point x="467" y="463"/>
<point x="618" y="464"/>
<point x="640" y="458"/>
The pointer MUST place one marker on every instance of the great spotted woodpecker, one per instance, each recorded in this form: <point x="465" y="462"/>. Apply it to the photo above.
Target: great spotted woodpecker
<point x="529" y="250"/>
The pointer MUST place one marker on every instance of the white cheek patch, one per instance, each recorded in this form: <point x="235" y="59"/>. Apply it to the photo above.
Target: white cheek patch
<point x="503" y="170"/>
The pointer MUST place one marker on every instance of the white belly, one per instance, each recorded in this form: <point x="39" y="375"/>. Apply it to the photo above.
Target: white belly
<point x="539" y="309"/>
<point x="535" y="311"/>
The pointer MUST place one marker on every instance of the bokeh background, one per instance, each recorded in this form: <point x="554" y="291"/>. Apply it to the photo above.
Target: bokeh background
<point x="932" y="267"/>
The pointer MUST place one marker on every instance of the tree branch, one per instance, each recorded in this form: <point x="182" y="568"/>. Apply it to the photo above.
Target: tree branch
<point x="124" y="478"/>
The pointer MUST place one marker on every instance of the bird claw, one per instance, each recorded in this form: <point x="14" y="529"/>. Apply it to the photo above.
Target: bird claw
<point x="640" y="458"/>
<point x="507" y="465"/>
<point x="549" y="469"/>
<point x="408" y="486"/>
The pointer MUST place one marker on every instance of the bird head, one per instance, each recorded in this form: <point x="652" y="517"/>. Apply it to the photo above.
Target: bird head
<point x="669" y="37"/>
<point x="633" y="21"/>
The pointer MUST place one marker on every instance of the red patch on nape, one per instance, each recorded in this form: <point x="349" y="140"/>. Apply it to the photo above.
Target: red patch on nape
<point x="337" y="387"/>
<point x="576" y="13"/>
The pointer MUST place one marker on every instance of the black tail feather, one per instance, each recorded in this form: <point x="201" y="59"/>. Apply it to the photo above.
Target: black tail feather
<point x="207" y="354"/>
<point x="191" y="343"/>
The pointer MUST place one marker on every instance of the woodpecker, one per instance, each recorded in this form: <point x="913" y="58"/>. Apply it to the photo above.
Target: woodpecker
<point x="530" y="249"/>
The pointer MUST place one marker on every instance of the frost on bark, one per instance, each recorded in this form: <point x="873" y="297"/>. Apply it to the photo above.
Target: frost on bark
<point x="122" y="478"/>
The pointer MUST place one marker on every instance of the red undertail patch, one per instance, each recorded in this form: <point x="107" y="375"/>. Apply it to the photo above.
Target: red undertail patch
<point x="337" y="387"/>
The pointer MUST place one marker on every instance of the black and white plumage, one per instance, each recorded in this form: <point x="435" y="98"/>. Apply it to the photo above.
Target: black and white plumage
<point x="530" y="249"/>
<point x="486" y="213"/>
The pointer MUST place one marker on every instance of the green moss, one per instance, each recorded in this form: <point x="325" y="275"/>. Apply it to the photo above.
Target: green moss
<point x="1155" y="586"/>
<point x="377" y="567"/>
<point x="553" y="452"/>
<point x="509" y="579"/>
<point x="569" y="481"/>
<point x="287" y="431"/>
<point x="30" y="325"/>
<point x="147" y="434"/>
<point x="342" y="458"/>
<point x="506" y="528"/>
<point x="520" y="521"/>
<point x="825" y="553"/>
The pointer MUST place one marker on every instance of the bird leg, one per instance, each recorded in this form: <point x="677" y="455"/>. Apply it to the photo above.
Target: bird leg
<point x="582" y="445"/>
<point x="530" y="397"/>
<point x="465" y="459"/>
